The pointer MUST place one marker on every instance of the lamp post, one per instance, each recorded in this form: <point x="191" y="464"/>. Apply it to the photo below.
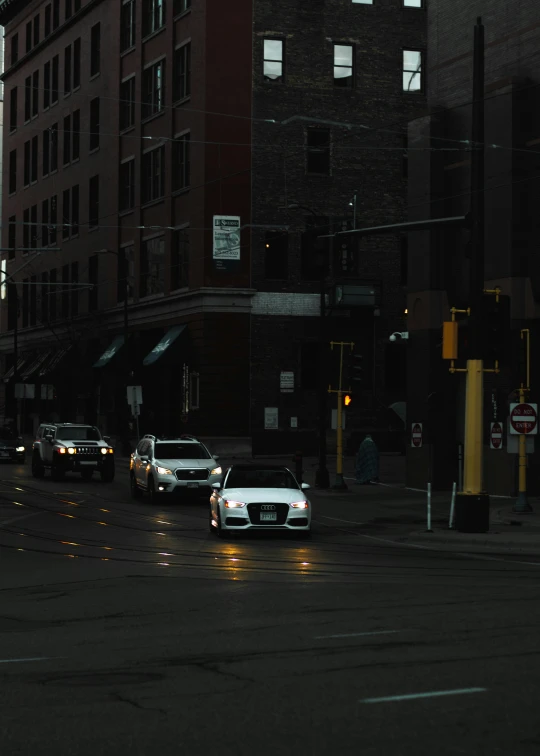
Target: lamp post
<point x="322" y="477"/>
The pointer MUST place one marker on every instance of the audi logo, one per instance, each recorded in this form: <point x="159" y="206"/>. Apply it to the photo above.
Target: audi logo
<point x="268" y="507"/>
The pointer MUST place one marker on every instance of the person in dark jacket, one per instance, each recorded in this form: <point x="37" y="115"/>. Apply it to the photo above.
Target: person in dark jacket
<point x="367" y="461"/>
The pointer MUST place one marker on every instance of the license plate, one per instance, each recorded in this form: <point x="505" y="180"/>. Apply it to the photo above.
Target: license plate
<point x="192" y="485"/>
<point x="268" y="516"/>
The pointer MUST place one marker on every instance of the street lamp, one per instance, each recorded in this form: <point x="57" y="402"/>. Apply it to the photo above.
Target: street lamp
<point x="322" y="477"/>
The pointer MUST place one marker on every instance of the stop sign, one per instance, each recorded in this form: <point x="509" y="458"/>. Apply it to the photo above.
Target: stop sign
<point x="416" y="435"/>
<point x="524" y="419"/>
<point x="495" y="437"/>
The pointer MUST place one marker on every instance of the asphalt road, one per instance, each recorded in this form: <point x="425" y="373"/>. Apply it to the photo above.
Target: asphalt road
<point x="126" y="629"/>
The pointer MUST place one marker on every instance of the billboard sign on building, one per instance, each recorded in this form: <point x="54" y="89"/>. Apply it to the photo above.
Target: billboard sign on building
<point x="226" y="248"/>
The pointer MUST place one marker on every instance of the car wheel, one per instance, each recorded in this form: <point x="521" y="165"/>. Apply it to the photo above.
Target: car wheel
<point x="154" y="495"/>
<point x="87" y="474"/>
<point x="38" y="471"/>
<point x="57" y="474"/>
<point x="136" y="492"/>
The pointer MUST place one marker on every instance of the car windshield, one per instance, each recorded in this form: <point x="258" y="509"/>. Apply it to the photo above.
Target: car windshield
<point x="178" y="450"/>
<point x="261" y="478"/>
<point x="78" y="433"/>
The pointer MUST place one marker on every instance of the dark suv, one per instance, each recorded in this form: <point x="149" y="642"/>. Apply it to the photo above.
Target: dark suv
<point x="11" y="446"/>
<point x="70" y="447"/>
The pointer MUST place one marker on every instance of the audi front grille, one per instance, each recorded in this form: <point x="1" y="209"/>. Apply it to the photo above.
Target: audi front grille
<point x="281" y="510"/>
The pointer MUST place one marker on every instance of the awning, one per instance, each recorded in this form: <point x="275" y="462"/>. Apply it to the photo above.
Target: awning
<point x="400" y="408"/>
<point x="11" y="372"/>
<point x="53" y="361"/>
<point x="171" y="335"/>
<point x="34" y="365"/>
<point x="109" y="353"/>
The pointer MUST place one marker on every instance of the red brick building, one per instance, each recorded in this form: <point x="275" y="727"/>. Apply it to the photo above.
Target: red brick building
<point x="130" y="125"/>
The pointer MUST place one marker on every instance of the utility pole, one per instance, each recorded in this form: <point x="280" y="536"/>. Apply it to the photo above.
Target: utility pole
<point x="472" y="504"/>
<point x="522" y="504"/>
<point x="339" y="484"/>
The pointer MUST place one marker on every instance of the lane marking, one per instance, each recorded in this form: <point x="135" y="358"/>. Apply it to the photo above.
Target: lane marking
<point x="430" y="694"/>
<point x="30" y="659"/>
<point x="21" y="517"/>
<point x="338" y="519"/>
<point x="357" y="635"/>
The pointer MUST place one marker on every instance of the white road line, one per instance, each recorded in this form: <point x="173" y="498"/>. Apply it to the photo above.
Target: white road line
<point x="30" y="659"/>
<point x="338" y="519"/>
<point x="357" y="635"/>
<point x="430" y="694"/>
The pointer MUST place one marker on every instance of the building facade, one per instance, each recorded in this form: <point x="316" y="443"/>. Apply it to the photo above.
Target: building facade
<point x="132" y="127"/>
<point x="439" y="186"/>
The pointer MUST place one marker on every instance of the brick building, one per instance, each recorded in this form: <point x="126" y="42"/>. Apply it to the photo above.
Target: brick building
<point x="130" y="126"/>
<point x="439" y="182"/>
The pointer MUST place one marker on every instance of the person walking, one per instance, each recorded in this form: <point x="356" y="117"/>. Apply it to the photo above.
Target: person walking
<point x="367" y="461"/>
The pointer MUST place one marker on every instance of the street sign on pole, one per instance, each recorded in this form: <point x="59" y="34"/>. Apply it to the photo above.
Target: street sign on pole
<point x="416" y="435"/>
<point x="512" y="442"/>
<point x="286" y="381"/>
<point x="134" y="394"/>
<point x="524" y="419"/>
<point x="496" y="436"/>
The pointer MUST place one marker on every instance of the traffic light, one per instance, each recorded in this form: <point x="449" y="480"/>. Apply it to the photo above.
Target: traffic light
<point x="347" y="400"/>
<point x="494" y="324"/>
<point x="356" y="371"/>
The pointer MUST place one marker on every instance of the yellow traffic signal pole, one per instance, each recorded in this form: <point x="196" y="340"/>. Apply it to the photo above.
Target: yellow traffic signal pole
<point x="339" y="484"/>
<point x="522" y="504"/>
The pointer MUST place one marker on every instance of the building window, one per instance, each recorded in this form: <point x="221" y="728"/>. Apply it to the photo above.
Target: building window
<point x="66" y="209"/>
<point x="153" y="16"/>
<point x="25" y="294"/>
<point x="344" y="66"/>
<point x="77" y="63"/>
<point x="27" y="98"/>
<point x="67" y="139"/>
<point x="76" y="135"/>
<point x="64" y="301"/>
<point x="181" y="162"/>
<point x="179" y="6"/>
<point x="75" y="210"/>
<point x="28" y="37"/>
<point x="412" y="71"/>
<point x="13" y="171"/>
<point x="33" y="226"/>
<point x="153" y="266"/>
<point x="94" y="123"/>
<point x="53" y="299"/>
<point x="95" y="50"/>
<point x="48" y="20"/>
<point x="273" y="60"/>
<point x="153" y="178"/>
<point x="313" y="261"/>
<point x="44" y="297"/>
<point x="70" y="212"/>
<point x="26" y="168"/>
<point x="54" y="220"/>
<point x="127" y="22"/>
<point x="127" y="104"/>
<point x="153" y="89"/>
<point x="93" y="263"/>
<point x="55" y="77"/>
<point x="14" y="49"/>
<point x="35" y="93"/>
<point x="46" y="151"/>
<point x="182" y="72"/>
<point x="74" y="289"/>
<point x="54" y="147"/>
<point x="46" y="85"/>
<point x="69" y="9"/>
<point x="276" y="255"/>
<point x="56" y="14"/>
<point x="318" y="151"/>
<point x="93" y="202"/>
<point x="127" y="185"/>
<point x="125" y="273"/>
<point x="36" y="30"/>
<point x="26" y="229"/>
<point x="180" y="259"/>
<point x="13" y="109"/>
<point x="34" y="163"/>
<point x="413" y="3"/>
<point x="12" y="236"/>
<point x="45" y="223"/>
<point x="67" y="70"/>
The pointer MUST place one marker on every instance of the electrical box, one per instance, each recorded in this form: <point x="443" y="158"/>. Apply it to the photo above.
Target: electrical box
<point x="450" y="340"/>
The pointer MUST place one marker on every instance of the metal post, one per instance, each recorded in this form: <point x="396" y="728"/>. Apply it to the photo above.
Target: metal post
<point x="522" y="504"/>
<point x="452" y="505"/>
<point x="429" y="530"/>
<point x="322" y="477"/>
<point x="340" y="484"/>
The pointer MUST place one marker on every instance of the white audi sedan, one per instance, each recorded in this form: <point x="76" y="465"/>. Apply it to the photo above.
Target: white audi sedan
<point x="259" y="497"/>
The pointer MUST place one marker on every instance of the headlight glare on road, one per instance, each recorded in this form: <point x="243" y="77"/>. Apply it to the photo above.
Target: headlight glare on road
<point x="300" y="504"/>
<point x="216" y="471"/>
<point x="163" y="470"/>
<point x="20" y="449"/>
<point x="72" y="450"/>
<point x="234" y="504"/>
<point x="103" y="451"/>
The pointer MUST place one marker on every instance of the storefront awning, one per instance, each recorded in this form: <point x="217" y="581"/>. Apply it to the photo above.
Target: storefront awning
<point x="109" y="353"/>
<point x="53" y="361"/>
<point x="11" y="372"/>
<point x="171" y="335"/>
<point x="34" y="365"/>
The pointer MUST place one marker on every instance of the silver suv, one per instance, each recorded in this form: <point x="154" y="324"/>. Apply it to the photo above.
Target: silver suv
<point x="162" y="466"/>
<point x="70" y="447"/>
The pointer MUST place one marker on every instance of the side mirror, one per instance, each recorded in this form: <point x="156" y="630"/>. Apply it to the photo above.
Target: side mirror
<point x="216" y="486"/>
<point x="216" y="457"/>
<point x="107" y="439"/>
<point x="48" y="437"/>
<point x="304" y="486"/>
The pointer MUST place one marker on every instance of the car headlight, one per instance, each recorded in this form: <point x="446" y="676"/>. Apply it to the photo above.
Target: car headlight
<point x="72" y="450"/>
<point x="216" y="471"/>
<point x="20" y="449"/>
<point x="234" y="504"/>
<point x="62" y="450"/>
<point x="163" y="470"/>
<point x="300" y="504"/>
<point x="103" y="450"/>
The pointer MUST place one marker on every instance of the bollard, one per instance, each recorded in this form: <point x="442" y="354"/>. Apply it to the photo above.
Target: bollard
<point x="298" y="462"/>
<point x="452" y="507"/>
<point x="429" y="530"/>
